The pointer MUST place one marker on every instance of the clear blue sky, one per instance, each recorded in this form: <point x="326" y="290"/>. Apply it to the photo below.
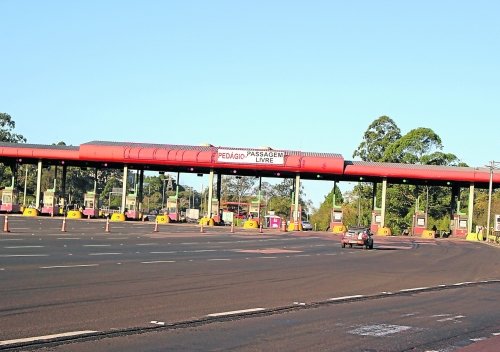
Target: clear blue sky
<point x="304" y="75"/>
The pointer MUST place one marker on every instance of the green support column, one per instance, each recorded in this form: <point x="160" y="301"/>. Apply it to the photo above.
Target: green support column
<point x="124" y="188"/>
<point x="210" y="193"/>
<point x="296" y="214"/>
<point x="38" y="184"/>
<point x="382" y="208"/>
<point x="470" y="207"/>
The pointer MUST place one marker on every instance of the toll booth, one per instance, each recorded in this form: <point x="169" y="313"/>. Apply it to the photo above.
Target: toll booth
<point x="295" y="224"/>
<point x="9" y="200"/>
<point x="272" y="221"/>
<point x="254" y="209"/>
<point x="216" y="212"/>
<point x="336" y="218"/>
<point x="132" y="206"/>
<point x="90" y="204"/>
<point x="50" y="203"/>
<point x="419" y="223"/>
<point x="459" y="226"/>
<point x="376" y="221"/>
<point x="173" y="208"/>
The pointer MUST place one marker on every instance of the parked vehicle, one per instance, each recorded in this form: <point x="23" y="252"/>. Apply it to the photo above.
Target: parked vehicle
<point x="358" y="236"/>
<point x="306" y="226"/>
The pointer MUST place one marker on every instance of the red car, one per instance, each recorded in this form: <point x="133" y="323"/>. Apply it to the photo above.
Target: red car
<point x="358" y="236"/>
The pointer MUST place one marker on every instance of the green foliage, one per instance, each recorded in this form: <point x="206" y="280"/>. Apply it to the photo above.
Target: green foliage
<point x="7" y="126"/>
<point x="378" y="137"/>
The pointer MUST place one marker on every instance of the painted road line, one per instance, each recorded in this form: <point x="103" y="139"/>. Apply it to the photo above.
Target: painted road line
<point x="219" y="259"/>
<point x="267" y="257"/>
<point x="157" y="322"/>
<point x="46" y="337"/>
<point x="234" y="312"/>
<point x="414" y="289"/>
<point x="379" y="330"/>
<point x="68" y="238"/>
<point x="451" y="318"/>
<point x="344" y="298"/>
<point x="68" y="266"/>
<point x="146" y="244"/>
<point x="105" y="253"/>
<point x="159" y="261"/>
<point x="12" y="239"/>
<point x="96" y="245"/>
<point x="12" y="247"/>
<point x="168" y="252"/>
<point x="22" y="255"/>
<point x="201" y="251"/>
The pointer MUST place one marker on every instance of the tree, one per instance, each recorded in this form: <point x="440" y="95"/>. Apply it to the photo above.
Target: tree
<point x="377" y="138"/>
<point x="412" y="147"/>
<point x="7" y="125"/>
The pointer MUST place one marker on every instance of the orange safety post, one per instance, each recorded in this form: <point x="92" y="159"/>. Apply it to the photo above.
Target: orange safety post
<point x="6" y="224"/>
<point x="156" y="226"/>
<point x="260" y="228"/>
<point x="63" y="227"/>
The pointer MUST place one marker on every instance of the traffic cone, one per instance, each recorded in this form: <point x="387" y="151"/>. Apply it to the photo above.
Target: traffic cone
<point x="156" y="226"/>
<point x="260" y="228"/>
<point x="6" y="224"/>
<point x="107" y="226"/>
<point x="63" y="228"/>
<point x="232" y="227"/>
<point x="201" y="227"/>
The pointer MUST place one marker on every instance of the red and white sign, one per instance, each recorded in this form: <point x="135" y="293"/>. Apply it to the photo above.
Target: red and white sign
<point x="244" y="156"/>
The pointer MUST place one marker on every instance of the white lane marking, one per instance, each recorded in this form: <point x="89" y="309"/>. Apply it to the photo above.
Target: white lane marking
<point x="344" y="298"/>
<point x="496" y="333"/>
<point x="96" y="245"/>
<point x="22" y="255"/>
<point x="68" y="266"/>
<point x="12" y="239"/>
<point x="159" y="261"/>
<point x="68" y="238"/>
<point x="12" y="247"/>
<point x="201" y="251"/>
<point x="105" y="253"/>
<point x="477" y="339"/>
<point x="413" y="289"/>
<point x="250" y="310"/>
<point x="157" y="322"/>
<point x="451" y="318"/>
<point x="267" y="257"/>
<point x="303" y="255"/>
<point x="299" y="303"/>
<point x="190" y="243"/>
<point x="117" y="238"/>
<point x="46" y="337"/>
<point x="379" y="330"/>
<point x="169" y="252"/>
<point x="2" y="269"/>
<point x="146" y="244"/>
<point x="220" y="259"/>
<point x="440" y="315"/>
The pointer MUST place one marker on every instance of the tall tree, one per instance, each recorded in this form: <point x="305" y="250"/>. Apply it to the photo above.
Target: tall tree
<point x="377" y="138"/>
<point x="7" y="126"/>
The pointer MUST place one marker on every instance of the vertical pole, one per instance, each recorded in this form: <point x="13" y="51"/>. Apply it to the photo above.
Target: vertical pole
<point x="210" y="193"/>
<point x="296" y="202"/>
<point x="63" y="186"/>
<point x="470" y="207"/>
<point x="259" y="196"/>
<point x="14" y="172"/>
<point x="374" y="196"/>
<point x="25" y="185"/>
<point x="219" y="192"/>
<point x="38" y="183"/>
<point x="492" y="165"/>
<point x="124" y="187"/>
<point x="55" y="179"/>
<point x="382" y="210"/>
<point x="141" y="189"/>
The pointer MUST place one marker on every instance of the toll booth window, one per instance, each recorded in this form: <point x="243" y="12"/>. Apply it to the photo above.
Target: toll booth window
<point x="463" y="224"/>
<point x="337" y="216"/>
<point x="378" y="219"/>
<point x="7" y="199"/>
<point x="420" y="222"/>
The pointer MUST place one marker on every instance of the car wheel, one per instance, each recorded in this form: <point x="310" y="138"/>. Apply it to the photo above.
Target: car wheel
<point x="343" y="245"/>
<point x="350" y="245"/>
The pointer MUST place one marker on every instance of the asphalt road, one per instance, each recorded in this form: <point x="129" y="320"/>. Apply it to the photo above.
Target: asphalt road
<point x="117" y="287"/>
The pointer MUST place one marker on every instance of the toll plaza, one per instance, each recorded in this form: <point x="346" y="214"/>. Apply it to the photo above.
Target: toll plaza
<point x="9" y="200"/>
<point x="254" y="162"/>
